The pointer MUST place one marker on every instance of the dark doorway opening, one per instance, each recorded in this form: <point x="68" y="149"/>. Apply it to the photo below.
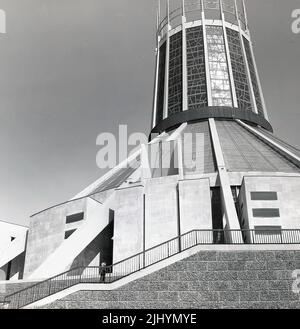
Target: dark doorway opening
<point x="106" y="241"/>
<point x="217" y="215"/>
<point x="101" y="246"/>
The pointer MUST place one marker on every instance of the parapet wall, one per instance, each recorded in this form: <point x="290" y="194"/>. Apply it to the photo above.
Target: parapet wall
<point x="208" y="279"/>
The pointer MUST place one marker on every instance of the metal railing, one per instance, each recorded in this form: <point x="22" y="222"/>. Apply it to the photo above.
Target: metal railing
<point x="151" y="256"/>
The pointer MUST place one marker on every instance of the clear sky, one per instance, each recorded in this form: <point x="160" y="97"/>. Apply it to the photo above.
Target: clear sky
<point x="71" y="69"/>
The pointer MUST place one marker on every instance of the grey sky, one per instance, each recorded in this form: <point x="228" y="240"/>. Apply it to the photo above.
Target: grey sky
<point x="71" y="69"/>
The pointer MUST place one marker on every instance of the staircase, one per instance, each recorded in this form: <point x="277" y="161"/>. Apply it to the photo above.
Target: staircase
<point x="133" y="264"/>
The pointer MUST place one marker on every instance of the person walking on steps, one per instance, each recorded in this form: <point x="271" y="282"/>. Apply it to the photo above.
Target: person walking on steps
<point x="102" y="272"/>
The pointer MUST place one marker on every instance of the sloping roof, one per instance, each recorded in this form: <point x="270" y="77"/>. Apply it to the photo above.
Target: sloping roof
<point x="200" y="151"/>
<point x="118" y="178"/>
<point x="243" y="151"/>
<point x="289" y="147"/>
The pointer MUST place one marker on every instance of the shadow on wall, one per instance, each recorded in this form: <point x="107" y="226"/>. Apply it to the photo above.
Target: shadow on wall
<point x="17" y="267"/>
<point x="99" y="250"/>
<point x="2" y="274"/>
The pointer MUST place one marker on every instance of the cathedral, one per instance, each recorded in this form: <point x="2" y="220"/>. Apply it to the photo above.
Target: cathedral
<point x="212" y="173"/>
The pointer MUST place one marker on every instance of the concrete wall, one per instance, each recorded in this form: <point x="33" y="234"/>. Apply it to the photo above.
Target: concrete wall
<point x="161" y="215"/>
<point x="12" y="247"/>
<point x="128" y="223"/>
<point x="17" y="267"/>
<point x="208" y="279"/>
<point x="160" y="224"/>
<point x="161" y="218"/>
<point x="3" y="272"/>
<point x="97" y="218"/>
<point x="288" y="203"/>
<point x="8" y="230"/>
<point x="47" y="231"/>
<point x="195" y="205"/>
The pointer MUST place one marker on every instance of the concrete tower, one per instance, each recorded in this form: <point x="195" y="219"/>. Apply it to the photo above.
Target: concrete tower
<point x="212" y="165"/>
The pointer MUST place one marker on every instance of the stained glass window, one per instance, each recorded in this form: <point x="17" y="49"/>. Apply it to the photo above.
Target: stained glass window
<point x="219" y="76"/>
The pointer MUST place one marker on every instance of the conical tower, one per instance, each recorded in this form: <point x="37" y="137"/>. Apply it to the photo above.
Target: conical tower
<point x="212" y="165"/>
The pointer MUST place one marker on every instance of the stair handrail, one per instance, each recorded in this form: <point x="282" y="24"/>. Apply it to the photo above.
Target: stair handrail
<point x="108" y="269"/>
<point x="111" y="275"/>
